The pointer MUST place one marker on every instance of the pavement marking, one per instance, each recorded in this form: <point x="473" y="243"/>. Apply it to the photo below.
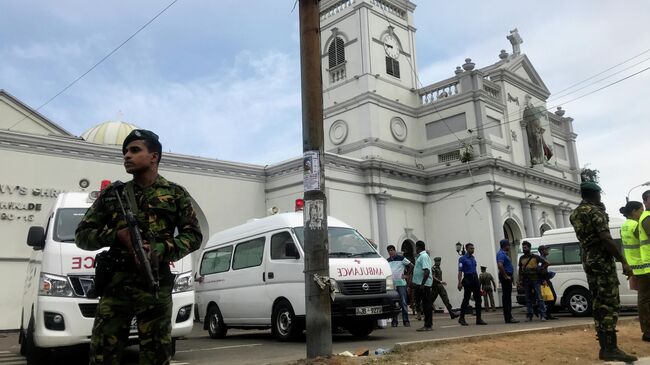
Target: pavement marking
<point x="453" y="325"/>
<point x="221" y="348"/>
<point x="529" y="329"/>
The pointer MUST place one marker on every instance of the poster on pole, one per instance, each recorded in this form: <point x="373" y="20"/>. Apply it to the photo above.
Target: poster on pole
<point x="314" y="214"/>
<point x="311" y="174"/>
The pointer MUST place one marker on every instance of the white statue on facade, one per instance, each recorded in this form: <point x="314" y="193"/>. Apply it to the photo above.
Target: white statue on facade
<point x="533" y="116"/>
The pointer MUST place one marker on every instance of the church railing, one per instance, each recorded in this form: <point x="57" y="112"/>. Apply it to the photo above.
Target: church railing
<point x="438" y="91"/>
<point x="337" y="73"/>
<point x="385" y="6"/>
<point x="338" y="7"/>
<point x="492" y="89"/>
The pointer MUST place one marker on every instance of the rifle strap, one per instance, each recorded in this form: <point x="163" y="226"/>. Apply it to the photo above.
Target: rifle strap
<point x="130" y="196"/>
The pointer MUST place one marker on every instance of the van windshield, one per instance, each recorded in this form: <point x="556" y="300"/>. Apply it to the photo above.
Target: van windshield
<point x="343" y="242"/>
<point x="65" y="223"/>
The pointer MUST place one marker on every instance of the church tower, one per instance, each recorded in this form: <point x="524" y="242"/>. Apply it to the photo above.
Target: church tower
<point x="369" y="78"/>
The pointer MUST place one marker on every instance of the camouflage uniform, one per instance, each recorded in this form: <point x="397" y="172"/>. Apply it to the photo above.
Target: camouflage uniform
<point x="589" y="220"/>
<point x="162" y="208"/>
<point x="438" y="289"/>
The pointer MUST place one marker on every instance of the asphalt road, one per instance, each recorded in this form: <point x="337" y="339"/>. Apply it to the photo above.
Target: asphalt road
<point x="259" y="347"/>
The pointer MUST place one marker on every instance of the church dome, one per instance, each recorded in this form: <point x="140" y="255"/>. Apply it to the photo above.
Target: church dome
<point x="109" y="133"/>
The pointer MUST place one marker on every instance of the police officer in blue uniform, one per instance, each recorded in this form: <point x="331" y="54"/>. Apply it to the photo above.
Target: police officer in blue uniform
<point x="468" y="280"/>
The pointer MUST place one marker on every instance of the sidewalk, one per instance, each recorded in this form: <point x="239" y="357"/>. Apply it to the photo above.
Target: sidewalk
<point x="9" y="342"/>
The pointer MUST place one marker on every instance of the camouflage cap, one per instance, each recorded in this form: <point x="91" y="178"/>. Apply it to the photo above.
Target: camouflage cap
<point x="437" y="258"/>
<point x="590" y="185"/>
<point x="139" y="134"/>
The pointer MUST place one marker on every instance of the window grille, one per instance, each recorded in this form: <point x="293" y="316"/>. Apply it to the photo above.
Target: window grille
<point x="336" y="53"/>
<point x="392" y="67"/>
<point x="449" y="156"/>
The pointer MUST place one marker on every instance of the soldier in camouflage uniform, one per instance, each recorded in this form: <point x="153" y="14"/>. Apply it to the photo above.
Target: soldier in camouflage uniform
<point x="161" y="207"/>
<point x="438" y="287"/>
<point x="591" y="224"/>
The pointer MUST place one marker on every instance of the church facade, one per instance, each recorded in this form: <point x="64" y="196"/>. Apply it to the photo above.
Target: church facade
<point x="473" y="158"/>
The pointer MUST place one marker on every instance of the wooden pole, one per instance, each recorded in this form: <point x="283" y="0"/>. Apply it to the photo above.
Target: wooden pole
<point x="317" y="298"/>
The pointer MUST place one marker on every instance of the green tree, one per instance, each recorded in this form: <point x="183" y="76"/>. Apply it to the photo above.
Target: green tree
<point x="587" y="174"/>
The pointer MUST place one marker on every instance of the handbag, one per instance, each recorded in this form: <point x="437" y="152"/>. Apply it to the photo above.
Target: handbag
<point x="547" y="293"/>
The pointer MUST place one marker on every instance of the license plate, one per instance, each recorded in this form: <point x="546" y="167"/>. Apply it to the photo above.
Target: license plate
<point x="134" y="325"/>
<point x="364" y="311"/>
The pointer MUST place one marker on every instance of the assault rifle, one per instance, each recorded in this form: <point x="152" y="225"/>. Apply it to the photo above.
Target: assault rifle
<point x="147" y="267"/>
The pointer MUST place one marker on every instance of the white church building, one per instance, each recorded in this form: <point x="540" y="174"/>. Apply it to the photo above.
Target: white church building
<point x="472" y="158"/>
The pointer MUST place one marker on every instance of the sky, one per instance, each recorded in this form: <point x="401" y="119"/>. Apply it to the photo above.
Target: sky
<point x="221" y="79"/>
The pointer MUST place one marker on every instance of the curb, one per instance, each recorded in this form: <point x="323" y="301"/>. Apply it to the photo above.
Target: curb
<point x="413" y="345"/>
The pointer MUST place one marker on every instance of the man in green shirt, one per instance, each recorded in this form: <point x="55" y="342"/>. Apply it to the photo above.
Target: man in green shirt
<point x="423" y="281"/>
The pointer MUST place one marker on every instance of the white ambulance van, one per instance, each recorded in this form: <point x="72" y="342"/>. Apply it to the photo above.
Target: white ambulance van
<point x="570" y="280"/>
<point x="55" y="309"/>
<point x="251" y="277"/>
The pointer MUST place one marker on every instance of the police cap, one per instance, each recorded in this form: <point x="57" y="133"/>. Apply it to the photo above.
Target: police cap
<point x="590" y="186"/>
<point x="437" y="259"/>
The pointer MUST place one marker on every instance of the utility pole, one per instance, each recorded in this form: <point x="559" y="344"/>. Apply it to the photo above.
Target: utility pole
<point x="317" y="288"/>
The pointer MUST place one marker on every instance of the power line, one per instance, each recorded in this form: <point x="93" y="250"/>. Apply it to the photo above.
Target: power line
<point x="574" y="99"/>
<point x="100" y="61"/>
<point x="602" y="72"/>
<point x="556" y="97"/>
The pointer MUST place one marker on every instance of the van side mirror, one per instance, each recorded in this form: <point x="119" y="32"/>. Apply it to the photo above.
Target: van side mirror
<point x="36" y="238"/>
<point x="290" y="250"/>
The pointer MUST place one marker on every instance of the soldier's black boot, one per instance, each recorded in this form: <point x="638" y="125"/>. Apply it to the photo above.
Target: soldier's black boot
<point x="609" y="350"/>
<point x="461" y="320"/>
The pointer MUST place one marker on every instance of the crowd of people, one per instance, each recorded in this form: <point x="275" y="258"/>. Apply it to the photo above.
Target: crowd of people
<point x="420" y="282"/>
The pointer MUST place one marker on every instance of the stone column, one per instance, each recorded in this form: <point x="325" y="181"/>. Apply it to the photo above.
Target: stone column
<point x="528" y="220"/>
<point x="381" y="200"/>
<point x="535" y="217"/>
<point x="559" y="218"/>
<point x="495" y="209"/>
<point x="566" y="212"/>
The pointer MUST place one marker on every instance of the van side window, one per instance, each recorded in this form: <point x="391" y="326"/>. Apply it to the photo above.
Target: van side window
<point x="281" y="245"/>
<point x="248" y="254"/>
<point x="572" y="254"/>
<point x="555" y="255"/>
<point x="216" y="261"/>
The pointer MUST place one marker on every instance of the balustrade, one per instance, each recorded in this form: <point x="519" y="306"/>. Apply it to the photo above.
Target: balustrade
<point x="432" y="94"/>
<point x="335" y="9"/>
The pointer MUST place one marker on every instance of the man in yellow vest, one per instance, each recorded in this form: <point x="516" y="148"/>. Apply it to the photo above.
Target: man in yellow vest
<point x="632" y="250"/>
<point x="644" y="230"/>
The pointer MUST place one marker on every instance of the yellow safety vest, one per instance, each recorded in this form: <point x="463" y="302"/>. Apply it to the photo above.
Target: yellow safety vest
<point x="632" y="247"/>
<point x="644" y="240"/>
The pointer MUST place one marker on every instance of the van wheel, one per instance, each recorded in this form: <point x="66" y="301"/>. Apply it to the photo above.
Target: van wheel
<point x="284" y="324"/>
<point x="579" y="302"/>
<point x="216" y="327"/>
<point x="28" y="348"/>
<point x="361" y="329"/>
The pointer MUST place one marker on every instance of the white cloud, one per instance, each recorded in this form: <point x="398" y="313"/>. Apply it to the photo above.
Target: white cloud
<point x="217" y="83"/>
<point x="243" y="115"/>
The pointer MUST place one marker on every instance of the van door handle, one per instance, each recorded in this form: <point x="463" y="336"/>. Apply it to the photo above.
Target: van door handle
<point x="271" y="275"/>
<point x="263" y="276"/>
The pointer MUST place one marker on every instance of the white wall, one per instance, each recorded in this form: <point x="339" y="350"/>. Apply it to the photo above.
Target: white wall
<point x="223" y="201"/>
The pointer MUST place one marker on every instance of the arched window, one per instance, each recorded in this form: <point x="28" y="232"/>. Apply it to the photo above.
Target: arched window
<point x="336" y="53"/>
